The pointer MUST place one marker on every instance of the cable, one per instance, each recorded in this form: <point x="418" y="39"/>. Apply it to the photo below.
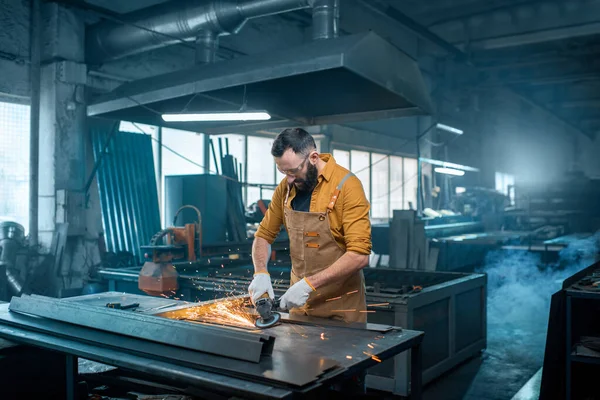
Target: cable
<point x="263" y="185"/>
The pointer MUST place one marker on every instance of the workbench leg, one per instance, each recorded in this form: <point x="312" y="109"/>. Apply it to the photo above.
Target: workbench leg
<point x="416" y="372"/>
<point x="72" y="373"/>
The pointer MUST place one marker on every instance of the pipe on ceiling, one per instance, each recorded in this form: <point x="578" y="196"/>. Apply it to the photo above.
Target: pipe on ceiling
<point x="175" y="21"/>
<point x="325" y="18"/>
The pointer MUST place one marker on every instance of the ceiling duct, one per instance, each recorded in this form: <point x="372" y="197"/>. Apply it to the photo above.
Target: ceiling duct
<point x="173" y="21"/>
<point x="350" y="78"/>
<point x="329" y="80"/>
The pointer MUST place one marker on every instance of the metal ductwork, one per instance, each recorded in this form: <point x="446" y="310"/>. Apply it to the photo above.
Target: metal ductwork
<point x="325" y="18"/>
<point x="171" y="22"/>
<point x="349" y="78"/>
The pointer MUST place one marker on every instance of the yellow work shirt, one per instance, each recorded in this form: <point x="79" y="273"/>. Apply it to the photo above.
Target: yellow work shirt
<point x="349" y="220"/>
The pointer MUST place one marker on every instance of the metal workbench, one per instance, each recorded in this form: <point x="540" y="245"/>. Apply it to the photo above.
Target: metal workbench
<point x="344" y="351"/>
<point x="450" y="309"/>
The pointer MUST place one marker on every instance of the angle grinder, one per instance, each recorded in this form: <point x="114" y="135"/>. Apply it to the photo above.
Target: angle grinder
<point x="265" y="306"/>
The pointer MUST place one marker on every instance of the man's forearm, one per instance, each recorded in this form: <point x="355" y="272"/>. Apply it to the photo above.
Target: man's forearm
<point x="345" y="266"/>
<point x="261" y="250"/>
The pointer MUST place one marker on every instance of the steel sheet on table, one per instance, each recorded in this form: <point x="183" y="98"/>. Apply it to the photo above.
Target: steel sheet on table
<point x="280" y="368"/>
<point x="161" y="370"/>
<point x="210" y="339"/>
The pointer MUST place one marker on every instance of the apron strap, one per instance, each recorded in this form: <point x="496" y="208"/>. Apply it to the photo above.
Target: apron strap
<point x="337" y="191"/>
<point x="287" y="195"/>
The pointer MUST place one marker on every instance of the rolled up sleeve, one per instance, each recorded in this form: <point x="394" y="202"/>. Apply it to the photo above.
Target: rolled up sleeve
<point x="355" y="219"/>
<point x="271" y="223"/>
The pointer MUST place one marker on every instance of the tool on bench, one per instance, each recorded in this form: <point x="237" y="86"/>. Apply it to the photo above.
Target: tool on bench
<point x="118" y="306"/>
<point x="265" y="306"/>
<point x="158" y="275"/>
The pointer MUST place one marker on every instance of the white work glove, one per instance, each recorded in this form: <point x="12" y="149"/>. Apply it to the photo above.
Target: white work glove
<point x="260" y="285"/>
<point x="296" y="296"/>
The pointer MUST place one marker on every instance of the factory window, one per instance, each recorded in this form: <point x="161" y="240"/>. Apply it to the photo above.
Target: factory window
<point x="396" y="184"/>
<point x="261" y="168"/>
<point x="410" y="184"/>
<point x="14" y="172"/>
<point x="342" y="157"/>
<point x="360" y="164"/>
<point x="390" y="182"/>
<point x="182" y="153"/>
<point x="504" y="183"/>
<point x="380" y="184"/>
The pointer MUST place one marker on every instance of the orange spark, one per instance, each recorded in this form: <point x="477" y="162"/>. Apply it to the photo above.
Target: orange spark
<point x="376" y="358"/>
<point x="371" y="346"/>
<point x="378" y="305"/>
<point x="323" y="336"/>
<point x="229" y="312"/>
<point x="349" y="357"/>
<point x="354" y="291"/>
<point x="334" y="298"/>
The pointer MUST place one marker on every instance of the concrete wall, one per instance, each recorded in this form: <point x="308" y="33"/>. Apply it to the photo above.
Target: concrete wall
<point x="14" y="48"/>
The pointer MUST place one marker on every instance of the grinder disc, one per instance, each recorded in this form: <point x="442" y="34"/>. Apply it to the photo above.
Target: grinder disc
<point x="266" y="323"/>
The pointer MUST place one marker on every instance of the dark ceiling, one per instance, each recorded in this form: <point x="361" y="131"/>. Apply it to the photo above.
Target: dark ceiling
<point x="547" y="51"/>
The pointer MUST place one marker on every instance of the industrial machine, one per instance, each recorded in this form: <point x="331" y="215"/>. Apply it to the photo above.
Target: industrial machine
<point x="158" y="275"/>
<point x="12" y="243"/>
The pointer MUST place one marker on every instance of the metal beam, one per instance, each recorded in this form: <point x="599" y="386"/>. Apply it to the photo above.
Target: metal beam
<point x="562" y="71"/>
<point x="525" y="38"/>
<point x="538" y="22"/>
<point x="585" y="103"/>
<point x="524" y="97"/>
<point x="462" y="57"/>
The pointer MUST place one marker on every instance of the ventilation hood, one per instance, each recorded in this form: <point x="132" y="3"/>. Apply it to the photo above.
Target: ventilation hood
<point x="350" y="78"/>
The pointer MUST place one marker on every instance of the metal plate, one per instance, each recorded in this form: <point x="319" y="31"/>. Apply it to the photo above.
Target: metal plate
<point x="282" y="368"/>
<point x="158" y="370"/>
<point x="210" y="339"/>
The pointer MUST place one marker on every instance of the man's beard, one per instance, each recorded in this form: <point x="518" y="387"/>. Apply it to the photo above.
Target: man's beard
<point x="309" y="183"/>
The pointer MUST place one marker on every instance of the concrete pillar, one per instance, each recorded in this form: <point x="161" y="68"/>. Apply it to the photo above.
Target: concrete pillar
<point x="64" y="161"/>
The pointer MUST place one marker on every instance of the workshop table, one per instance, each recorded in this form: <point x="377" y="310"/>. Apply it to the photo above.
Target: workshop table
<point x="354" y="350"/>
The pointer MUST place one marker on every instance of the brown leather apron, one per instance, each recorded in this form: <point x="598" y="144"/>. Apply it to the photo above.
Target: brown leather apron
<point x="312" y="249"/>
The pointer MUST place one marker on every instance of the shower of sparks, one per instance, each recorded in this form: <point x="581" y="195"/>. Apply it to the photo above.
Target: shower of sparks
<point x="334" y="298"/>
<point x="229" y="313"/>
<point x="378" y="305"/>
<point x="354" y="291"/>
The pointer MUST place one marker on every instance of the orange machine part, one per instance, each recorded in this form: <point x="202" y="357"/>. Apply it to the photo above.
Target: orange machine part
<point x="158" y="278"/>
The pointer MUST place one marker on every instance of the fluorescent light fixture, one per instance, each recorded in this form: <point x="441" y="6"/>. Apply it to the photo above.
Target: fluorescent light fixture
<point x="449" y="171"/>
<point x="218" y="116"/>
<point x="450" y="129"/>
<point x="460" y="189"/>
<point x="448" y="164"/>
